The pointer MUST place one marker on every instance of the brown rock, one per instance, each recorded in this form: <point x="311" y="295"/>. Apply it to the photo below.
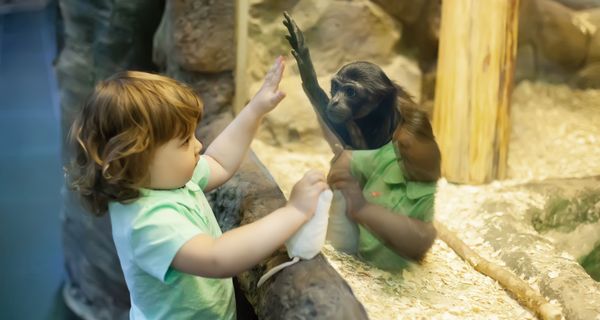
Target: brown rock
<point x="336" y="32"/>
<point x="588" y="77"/>
<point x="405" y="11"/>
<point x="350" y="31"/>
<point x="198" y="35"/>
<point x="558" y="38"/>
<point x="580" y="4"/>
<point x="592" y="19"/>
<point x="215" y="89"/>
<point x="526" y="63"/>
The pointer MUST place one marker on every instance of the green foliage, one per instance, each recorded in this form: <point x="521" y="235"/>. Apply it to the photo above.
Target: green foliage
<point x="591" y="263"/>
<point x="566" y="214"/>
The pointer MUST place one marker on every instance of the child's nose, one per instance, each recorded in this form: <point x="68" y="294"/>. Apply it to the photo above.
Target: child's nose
<point x="198" y="145"/>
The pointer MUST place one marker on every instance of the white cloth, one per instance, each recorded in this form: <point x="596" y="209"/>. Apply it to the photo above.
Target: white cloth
<point x="307" y="242"/>
<point x="342" y="233"/>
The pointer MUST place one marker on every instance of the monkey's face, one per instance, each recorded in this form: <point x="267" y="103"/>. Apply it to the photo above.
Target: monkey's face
<point x="349" y="100"/>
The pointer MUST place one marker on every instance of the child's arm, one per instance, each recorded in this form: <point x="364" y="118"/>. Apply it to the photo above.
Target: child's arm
<point x="241" y="248"/>
<point x="226" y="152"/>
<point x="408" y="237"/>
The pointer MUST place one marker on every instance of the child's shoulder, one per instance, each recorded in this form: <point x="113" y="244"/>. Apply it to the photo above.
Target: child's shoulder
<point x="147" y="203"/>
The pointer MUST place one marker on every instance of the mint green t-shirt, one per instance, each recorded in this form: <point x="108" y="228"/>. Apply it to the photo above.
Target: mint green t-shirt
<point x="384" y="183"/>
<point x="148" y="233"/>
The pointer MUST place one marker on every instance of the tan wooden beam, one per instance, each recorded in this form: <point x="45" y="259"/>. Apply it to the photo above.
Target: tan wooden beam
<point x="478" y="42"/>
<point x="241" y="36"/>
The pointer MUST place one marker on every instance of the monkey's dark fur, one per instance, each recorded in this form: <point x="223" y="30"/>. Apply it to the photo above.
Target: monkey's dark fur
<point x="362" y="93"/>
<point x="364" y="109"/>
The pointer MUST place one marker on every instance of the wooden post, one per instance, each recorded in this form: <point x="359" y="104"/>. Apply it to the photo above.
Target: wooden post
<point x="241" y="38"/>
<point x="478" y="42"/>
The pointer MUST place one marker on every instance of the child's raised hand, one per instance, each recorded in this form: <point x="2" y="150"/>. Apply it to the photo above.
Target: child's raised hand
<point x="306" y="191"/>
<point x="269" y="95"/>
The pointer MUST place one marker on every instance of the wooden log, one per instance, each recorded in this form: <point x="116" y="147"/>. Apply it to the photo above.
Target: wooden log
<point x="519" y="288"/>
<point x="478" y="42"/>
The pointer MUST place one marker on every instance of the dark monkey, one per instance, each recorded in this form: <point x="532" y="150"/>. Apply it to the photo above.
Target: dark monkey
<point x="365" y="105"/>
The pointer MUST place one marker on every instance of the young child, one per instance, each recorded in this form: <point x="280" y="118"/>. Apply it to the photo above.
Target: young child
<point x="390" y="193"/>
<point x="137" y="158"/>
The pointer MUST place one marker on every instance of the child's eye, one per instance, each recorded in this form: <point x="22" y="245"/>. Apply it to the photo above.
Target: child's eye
<point x="186" y="141"/>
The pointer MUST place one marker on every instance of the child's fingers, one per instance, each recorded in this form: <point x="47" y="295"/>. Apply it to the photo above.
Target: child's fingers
<point x="281" y="67"/>
<point x="272" y="70"/>
<point x="275" y="73"/>
<point x="313" y="176"/>
<point x="278" y="97"/>
<point x="278" y="73"/>
<point x="273" y="67"/>
<point x="322" y="186"/>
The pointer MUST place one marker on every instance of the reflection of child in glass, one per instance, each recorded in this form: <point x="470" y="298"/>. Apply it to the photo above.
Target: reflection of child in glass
<point x="390" y="193"/>
<point x="137" y="157"/>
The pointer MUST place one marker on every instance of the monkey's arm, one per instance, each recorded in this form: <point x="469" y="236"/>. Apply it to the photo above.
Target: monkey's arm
<point x="356" y="137"/>
<point x="315" y="93"/>
<point x="409" y="237"/>
<point x="334" y="141"/>
<point x="317" y="96"/>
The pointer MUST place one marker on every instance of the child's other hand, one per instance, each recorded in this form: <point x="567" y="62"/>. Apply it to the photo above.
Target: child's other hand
<point x="306" y="191"/>
<point x="269" y="95"/>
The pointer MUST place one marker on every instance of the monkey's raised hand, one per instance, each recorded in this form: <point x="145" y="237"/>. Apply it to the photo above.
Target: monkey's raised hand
<point x="317" y="96"/>
<point x="299" y="50"/>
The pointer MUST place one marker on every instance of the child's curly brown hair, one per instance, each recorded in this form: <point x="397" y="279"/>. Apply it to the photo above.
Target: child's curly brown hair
<point x="114" y="137"/>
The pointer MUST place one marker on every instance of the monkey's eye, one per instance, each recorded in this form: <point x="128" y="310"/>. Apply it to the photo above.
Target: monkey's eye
<point x="334" y="87"/>
<point x="350" y="92"/>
